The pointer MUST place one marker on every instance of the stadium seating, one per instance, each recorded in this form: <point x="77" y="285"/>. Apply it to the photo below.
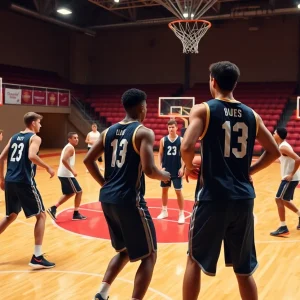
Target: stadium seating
<point x="293" y="128"/>
<point x="267" y="99"/>
<point x="27" y="76"/>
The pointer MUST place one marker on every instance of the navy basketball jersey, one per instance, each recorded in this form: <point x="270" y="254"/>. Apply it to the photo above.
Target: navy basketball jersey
<point x="171" y="155"/>
<point x="19" y="166"/>
<point x="124" y="179"/>
<point x="226" y="149"/>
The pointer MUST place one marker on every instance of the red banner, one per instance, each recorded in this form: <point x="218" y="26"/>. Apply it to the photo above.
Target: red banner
<point x="39" y="97"/>
<point x="52" y="98"/>
<point x="63" y="99"/>
<point x="26" y="97"/>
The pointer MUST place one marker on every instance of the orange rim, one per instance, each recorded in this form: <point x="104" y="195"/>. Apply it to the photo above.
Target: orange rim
<point x="189" y="21"/>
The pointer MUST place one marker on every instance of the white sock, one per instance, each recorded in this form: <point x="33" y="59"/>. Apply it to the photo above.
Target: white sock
<point x="165" y="208"/>
<point x="282" y="223"/>
<point x="38" y="250"/>
<point x="298" y="213"/>
<point x="181" y="212"/>
<point x="104" y="288"/>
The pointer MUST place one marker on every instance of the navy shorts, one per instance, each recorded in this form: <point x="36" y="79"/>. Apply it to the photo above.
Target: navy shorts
<point x="22" y="195"/>
<point x="230" y="221"/>
<point x="131" y="228"/>
<point x="177" y="183"/>
<point x="69" y="185"/>
<point x="99" y="158"/>
<point x="286" y="190"/>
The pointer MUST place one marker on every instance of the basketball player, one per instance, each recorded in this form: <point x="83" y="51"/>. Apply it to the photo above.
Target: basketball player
<point x="92" y="137"/>
<point x="66" y="174"/>
<point x="290" y="176"/>
<point x="128" y="150"/>
<point x="224" y="194"/>
<point x="19" y="185"/>
<point x="170" y="159"/>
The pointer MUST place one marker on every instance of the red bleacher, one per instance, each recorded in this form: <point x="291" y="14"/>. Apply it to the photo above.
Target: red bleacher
<point x="27" y="76"/>
<point x="293" y="129"/>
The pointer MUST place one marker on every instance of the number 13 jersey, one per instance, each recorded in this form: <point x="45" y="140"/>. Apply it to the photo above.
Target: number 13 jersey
<point x="226" y="148"/>
<point x="19" y="166"/>
<point x="124" y="178"/>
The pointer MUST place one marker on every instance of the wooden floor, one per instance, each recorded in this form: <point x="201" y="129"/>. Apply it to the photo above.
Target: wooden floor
<point x="81" y="261"/>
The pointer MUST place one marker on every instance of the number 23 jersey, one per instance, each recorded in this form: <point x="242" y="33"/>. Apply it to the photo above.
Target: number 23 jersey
<point x="171" y="159"/>
<point x="227" y="147"/>
<point x="19" y="166"/>
<point x="124" y="179"/>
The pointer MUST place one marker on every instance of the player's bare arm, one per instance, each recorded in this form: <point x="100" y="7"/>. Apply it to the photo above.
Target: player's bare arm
<point x="65" y="159"/>
<point x="267" y="141"/>
<point x="161" y="152"/>
<point x="144" y="141"/>
<point x="87" y="139"/>
<point x="181" y="170"/>
<point x="193" y="132"/>
<point x="33" y="155"/>
<point x="91" y="157"/>
<point x="284" y="150"/>
<point x="3" y="157"/>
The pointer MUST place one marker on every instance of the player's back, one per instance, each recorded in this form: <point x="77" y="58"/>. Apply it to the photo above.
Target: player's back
<point x="171" y="156"/>
<point x="124" y="179"/>
<point x="19" y="166"/>
<point x="227" y="149"/>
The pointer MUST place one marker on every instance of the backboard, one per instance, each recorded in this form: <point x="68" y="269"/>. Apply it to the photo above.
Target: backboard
<point x="175" y="107"/>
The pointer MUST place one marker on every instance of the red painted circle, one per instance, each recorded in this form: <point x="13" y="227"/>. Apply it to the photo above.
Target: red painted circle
<point x="167" y="230"/>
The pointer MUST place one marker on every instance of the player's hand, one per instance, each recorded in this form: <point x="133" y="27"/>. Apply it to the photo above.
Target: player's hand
<point x="166" y="176"/>
<point x="288" y="177"/>
<point x="74" y="173"/>
<point x="181" y="172"/>
<point x="2" y="184"/>
<point x="51" y="172"/>
<point x="193" y="173"/>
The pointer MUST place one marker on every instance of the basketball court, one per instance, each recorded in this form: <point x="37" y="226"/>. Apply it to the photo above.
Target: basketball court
<point x="81" y="250"/>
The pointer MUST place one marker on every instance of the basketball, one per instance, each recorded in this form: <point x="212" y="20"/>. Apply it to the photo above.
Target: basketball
<point x="197" y="163"/>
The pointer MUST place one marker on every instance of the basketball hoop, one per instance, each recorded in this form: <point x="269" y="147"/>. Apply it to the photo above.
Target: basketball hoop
<point x="190" y="32"/>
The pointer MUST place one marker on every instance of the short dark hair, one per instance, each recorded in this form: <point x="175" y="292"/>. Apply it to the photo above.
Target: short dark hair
<point x="172" y="122"/>
<point x="94" y="124"/>
<point x="226" y="74"/>
<point x="30" y="117"/>
<point x="70" y="134"/>
<point x="282" y="132"/>
<point x="132" y="98"/>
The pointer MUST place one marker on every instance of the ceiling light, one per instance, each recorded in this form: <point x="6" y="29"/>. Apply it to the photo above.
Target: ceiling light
<point x="117" y="1"/>
<point x="185" y="15"/>
<point x="299" y="6"/>
<point x="64" y="11"/>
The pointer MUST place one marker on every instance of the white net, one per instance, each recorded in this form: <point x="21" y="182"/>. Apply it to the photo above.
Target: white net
<point x="190" y="33"/>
